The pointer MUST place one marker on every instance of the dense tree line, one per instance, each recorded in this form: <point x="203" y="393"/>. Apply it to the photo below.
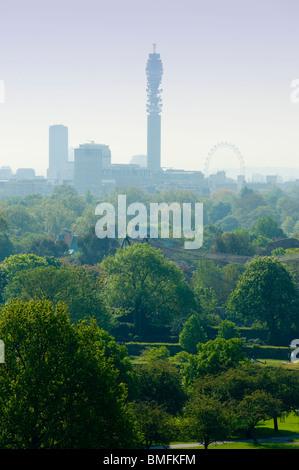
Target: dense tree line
<point x="67" y="382"/>
<point x="71" y="385"/>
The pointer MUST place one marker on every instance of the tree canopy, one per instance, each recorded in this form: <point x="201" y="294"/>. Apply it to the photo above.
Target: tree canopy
<point x="267" y="293"/>
<point x="58" y="388"/>
<point x="142" y="283"/>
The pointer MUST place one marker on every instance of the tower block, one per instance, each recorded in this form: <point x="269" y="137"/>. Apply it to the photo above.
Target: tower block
<point x="154" y="72"/>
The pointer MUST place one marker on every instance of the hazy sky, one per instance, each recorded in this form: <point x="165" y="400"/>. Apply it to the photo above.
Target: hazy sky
<point x="228" y="67"/>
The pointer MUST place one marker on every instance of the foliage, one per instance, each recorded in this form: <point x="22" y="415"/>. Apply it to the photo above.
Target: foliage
<point x="160" y="381"/>
<point x="268" y="227"/>
<point x="227" y="330"/>
<point x="142" y="283"/>
<point x="152" y="354"/>
<point x="192" y="334"/>
<point x="266" y="292"/>
<point x="153" y="425"/>
<point x="255" y="407"/>
<point x="213" y="358"/>
<point x="236" y="242"/>
<point x="48" y="247"/>
<point x="58" y="390"/>
<point x="93" y="249"/>
<point x="208" y="420"/>
<point x="73" y="285"/>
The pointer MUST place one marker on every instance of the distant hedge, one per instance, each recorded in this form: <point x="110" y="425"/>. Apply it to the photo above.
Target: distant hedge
<point x="247" y="333"/>
<point x="135" y="349"/>
<point x="257" y="352"/>
<point x="268" y="352"/>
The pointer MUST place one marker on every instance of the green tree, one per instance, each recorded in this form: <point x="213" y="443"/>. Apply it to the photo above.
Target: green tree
<point x="266" y="293"/>
<point x="93" y="249"/>
<point x="58" y="389"/>
<point x="209" y="420"/>
<point x="160" y="381"/>
<point x="227" y="330"/>
<point x="73" y="285"/>
<point x="213" y="358"/>
<point x="283" y="385"/>
<point x="142" y="283"/>
<point x="153" y="425"/>
<point x="255" y="407"/>
<point x="155" y="353"/>
<point x="236" y="243"/>
<point x="268" y="227"/>
<point x="6" y="246"/>
<point x="219" y="211"/>
<point x="16" y="263"/>
<point x="192" y="334"/>
<point x="46" y="246"/>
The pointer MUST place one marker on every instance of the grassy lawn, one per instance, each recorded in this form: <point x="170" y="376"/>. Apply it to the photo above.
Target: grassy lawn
<point x="287" y="427"/>
<point x="248" y="445"/>
<point x="265" y="430"/>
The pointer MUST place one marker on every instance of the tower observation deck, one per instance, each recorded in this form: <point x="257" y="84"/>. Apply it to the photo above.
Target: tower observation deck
<point x="154" y="72"/>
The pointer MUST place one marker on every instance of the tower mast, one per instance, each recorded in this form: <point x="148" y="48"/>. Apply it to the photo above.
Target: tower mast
<point x="154" y="72"/>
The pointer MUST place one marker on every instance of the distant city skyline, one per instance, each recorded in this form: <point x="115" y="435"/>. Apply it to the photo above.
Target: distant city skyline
<point x="228" y="68"/>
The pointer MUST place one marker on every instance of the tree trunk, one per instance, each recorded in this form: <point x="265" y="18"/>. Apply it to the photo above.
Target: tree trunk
<point x="252" y="430"/>
<point x="275" y="424"/>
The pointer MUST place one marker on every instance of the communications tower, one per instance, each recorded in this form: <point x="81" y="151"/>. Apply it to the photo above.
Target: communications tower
<point x="154" y="72"/>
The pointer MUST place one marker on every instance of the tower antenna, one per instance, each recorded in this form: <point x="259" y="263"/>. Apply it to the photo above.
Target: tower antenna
<point x="154" y="72"/>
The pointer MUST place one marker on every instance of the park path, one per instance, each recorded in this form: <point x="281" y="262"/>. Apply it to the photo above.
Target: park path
<point x="282" y="439"/>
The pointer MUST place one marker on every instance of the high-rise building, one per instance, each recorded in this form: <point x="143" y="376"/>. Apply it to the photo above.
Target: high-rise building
<point x="154" y="72"/>
<point x="58" y="151"/>
<point x="89" y="161"/>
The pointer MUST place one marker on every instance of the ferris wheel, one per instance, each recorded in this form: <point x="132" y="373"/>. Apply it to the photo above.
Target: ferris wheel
<point x="221" y="146"/>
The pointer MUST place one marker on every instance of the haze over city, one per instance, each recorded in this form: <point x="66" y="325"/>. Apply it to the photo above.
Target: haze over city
<point x="228" y="67"/>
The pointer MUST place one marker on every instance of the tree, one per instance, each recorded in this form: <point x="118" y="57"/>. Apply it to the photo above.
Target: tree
<point x="209" y="420"/>
<point x="268" y="227"/>
<point x="192" y="334"/>
<point x="21" y="220"/>
<point x="46" y="246"/>
<point x="6" y="246"/>
<point x="227" y="330"/>
<point x="255" y="407"/>
<point x="220" y="354"/>
<point x="215" y="357"/>
<point x="229" y="224"/>
<point x="73" y="285"/>
<point x="153" y="424"/>
<point x="93" y="249"/>
<point x="267" y="293"/>
<point x="219" y="211"/>
<point x="144" y="285"/>
<point x="208" y="276"/>
<point x="283" y="385"/>
<point x="159" y="381"/>
<point x="237" y="243"/>
<point x="16" y="263"/>
<point x="58" y="388"/>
